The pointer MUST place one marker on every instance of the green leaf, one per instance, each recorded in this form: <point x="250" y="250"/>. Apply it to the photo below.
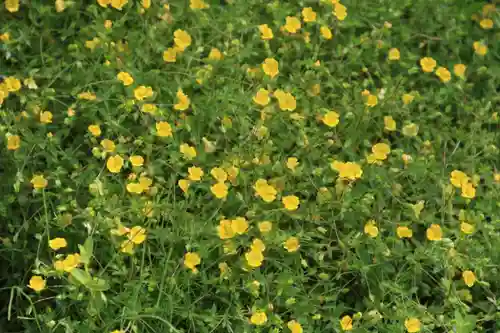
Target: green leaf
<point x="81" y="276"/>
<point x="86" y="251"/>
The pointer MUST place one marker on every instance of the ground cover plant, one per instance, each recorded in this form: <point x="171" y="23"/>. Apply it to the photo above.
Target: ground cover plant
<point x="249" y="166"/>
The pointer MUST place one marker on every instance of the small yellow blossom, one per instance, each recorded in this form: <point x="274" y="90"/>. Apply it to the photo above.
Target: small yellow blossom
<point x="108" y="24"/>
<point x="136" y="160"/>
<point x="467" y="228"/>
<point x="371" y="100"/>
<point x="254" y="258"/>
<point x="480" y="48"/>
<point x="266" y="33"/>
<point x="183" y="101"/>
<point x="290" y="202"/>
<point x="163" y="129"/>
<point x="114" y="164"/>
<point x="88" y="96"/>
<point x="198" y="4"/>
<point x="349" y="170"/>
<point x="404" y="232"/>
<point x="443" y="74"/>
<point x="95" y="130"/>
<point x="292" y="163"/>
<point x="220" y="190"/>
<point x="70" y="262"/>
<point x="468" y="191"/>
<point x="149" y="108"/>
<point x="394" y="54"/>
<point x="326" y="33"/>
<point x="215" y="54"/>
<point x="458" y="178"/>
<point x="108" y="145"/>
<point x="292" y="244"/>
<point x="340" y="11"/>
<point x="39" y="182"/>
<point x="412" y="325"/>
<point x="225" y="229"/>
<point x="189" y="152"/>
<point x="469" y="278"/>
<point x="258" y="318"/>
<point x="292" y="24"/>
<point x="434" y="232"/>
<point x="265" y="227"/>
<point x="219" y="174"/>
<point x="265" y="191"/>
<point x="459" y="70"/>
<point x="486" y="23"/>
<point x="60" y="6"/>
<point x="182" y="39"/>
<point x="57" y="243"/>
<point x="262" y="97"/>
<point x="258" y="245"/>
<point x="125" y="78"/>
<point x="407" y="98"/>
<point x="12" y="5"/>
<point x="143" y="92"/>
<point x="428" y="64"/>
<point x="331" y="119"/>
<point x="410" y="130"/>
<point x="389" y="123"/>
<point x="46" y="117"/>
<point x="13" y="142"/>
<point x="118" y="4"/>
<point x="309" y="15"/>
<point x="37" y="283"/>
<point x="346" y="323"/>
<point x="191" y="260"/>
<point x="371" y="229"/>
<point x="195" y="173"/>
<point x="294" y="326"/>
<point x="286" y="100"/>
<point x="271" y="67"/>
<point x="239" y="225"/>
<point x="170" y="55"/>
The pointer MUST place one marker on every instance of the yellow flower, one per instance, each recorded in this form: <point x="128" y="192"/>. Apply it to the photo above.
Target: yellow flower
<point x="286" y="100"/>
<point x="308" y="14"/>
<point x="225" y="229"/>
<point x="294" y="326"/>
<point x="394" y="54"/>
<point x="467" y="228"/>
<point x="349" y="170"/>
<point x="57" y="243"/>
<point x="428" y="64"/>
<point x="59" y="265"/>
<point x="93" y="43"/>
<point x="219" y="174"/>
<point x="60" y="6"/>
<point x="87" y="96"/>
<point x="37" y="283"/>
<point x="183" y="101"/>
<point x="215" y="54"/>
<point x="262" y="97"/>
<point x="258" y="245"/>
<point x="443" y="74"/>
<point x="136" y="160"/>
<point x="346" y="323"/>
<point x="12" y="84"/>
<point x="46" y="117"/>
<point x="126" y="78"/>
<point x="480" y="48"/>
<point x="469" y="278"/>
<point x="292" y="24"/>
<point x="331" y="119"/>
<point x="39" y="182"/>
<point x="404" y="232"/>
<point x="182" y="39"/>
<point x="381" y="150"/>
<point x="146" y="4"/>
<point x="412" y="325"/>
<point x="340" y="11"/>
<point x="232" y="173"/>
<point x="108" y="24"/>
<point x="326" y="33"/>
<point x="410" y="130"/>
<point x="108" y="145"/>
<point x="266" y="33"/>
<point x="458" y="178"/>
<point x="468" y="191"/>
<point x="137" y="235"/>
<point x="371" y="229"/>
<point x="163" y="129"/>
<point x="291" y="202"/>
<point x="13" y="142"/>
<point x="292" y="244"/>
<point x="459" y="70"/>
<point x="407" y="98"/>
<point x="189" y="152"/>
<point x="12" y="5"/>
<point x="134" y="188"/>
<point x="254" y="258"/>
<point x="486" y="23"/>
<point x="70" y="262"/>
<point x="434" y="232"/>
<point x="389" y="123"/>
<point x="270" y="67"/>
<point x="220" y="190"/>
<point x="127" y="247"/>
<point x="371" y="100"/>
<point x="95" y="130"/>
<point x="143" y="92"/>
<point x="258" y="318"/>
<point x="145" y="182"/>
<point x="265" y="191"/>
<point x="265" y="227"/>
<point x="239" y="225"/>
<point x="114" y="164"/>
<point x="191" y="260"/>
<point x="118" y="4"/>
<point x="149" y="108"/>
<point x="170" y="55"/>
<point x="104" y="3"/>
<point x="292" y="163"/>
<point x="198" y="4"/>
<point x="195" y="173"/>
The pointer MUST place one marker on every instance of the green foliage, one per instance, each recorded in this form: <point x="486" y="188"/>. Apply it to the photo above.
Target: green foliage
<point x="388" y="230"/>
